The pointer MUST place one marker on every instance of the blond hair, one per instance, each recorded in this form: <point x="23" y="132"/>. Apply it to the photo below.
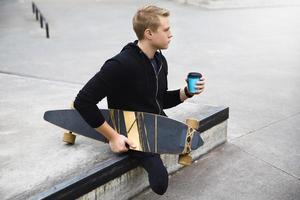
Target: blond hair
<point x="147" y="17"/>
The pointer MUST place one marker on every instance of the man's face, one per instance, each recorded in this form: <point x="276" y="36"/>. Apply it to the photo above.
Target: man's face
<point x="162" y="36"/>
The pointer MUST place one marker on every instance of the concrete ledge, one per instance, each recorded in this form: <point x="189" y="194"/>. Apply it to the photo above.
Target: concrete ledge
<point x="212" y="138"/>
<point x="120" y="178"/>
<point x="100" y="174"/>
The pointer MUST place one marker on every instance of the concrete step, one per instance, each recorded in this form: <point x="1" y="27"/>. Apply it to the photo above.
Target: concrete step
<point x="119" y="177"/>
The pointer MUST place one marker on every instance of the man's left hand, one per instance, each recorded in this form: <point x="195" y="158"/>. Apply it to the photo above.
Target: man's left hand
<point x="200" y="86"/>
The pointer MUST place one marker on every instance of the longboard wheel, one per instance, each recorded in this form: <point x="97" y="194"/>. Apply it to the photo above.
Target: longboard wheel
<point x="69" y="138"/>
<point x="185" y="159"/>
<point x="193" y="123"/>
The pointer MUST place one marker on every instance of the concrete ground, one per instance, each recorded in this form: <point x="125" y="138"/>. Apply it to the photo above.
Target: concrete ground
<point x="250" y="58"/>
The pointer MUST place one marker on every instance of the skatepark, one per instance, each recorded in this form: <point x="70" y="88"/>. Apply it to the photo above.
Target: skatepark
<point x="248" y="51"/>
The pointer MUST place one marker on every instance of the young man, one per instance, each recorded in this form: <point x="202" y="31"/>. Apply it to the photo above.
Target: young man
<point x="136" y="80"/>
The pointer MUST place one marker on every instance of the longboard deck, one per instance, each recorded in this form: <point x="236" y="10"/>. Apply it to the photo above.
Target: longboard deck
<point x="150" y="132"/>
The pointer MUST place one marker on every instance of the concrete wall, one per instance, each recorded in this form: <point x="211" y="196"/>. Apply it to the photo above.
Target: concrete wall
<point x="134" y="181"/>
<point x="123" y="187"/>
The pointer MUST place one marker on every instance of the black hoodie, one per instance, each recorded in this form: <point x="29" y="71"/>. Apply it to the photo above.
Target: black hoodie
<point x="130" y="82"/>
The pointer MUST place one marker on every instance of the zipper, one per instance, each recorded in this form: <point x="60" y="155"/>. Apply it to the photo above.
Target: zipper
<point x="156" y="76"/>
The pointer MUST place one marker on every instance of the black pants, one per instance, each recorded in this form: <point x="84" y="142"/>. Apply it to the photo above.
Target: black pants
<point x="157" y="172"/>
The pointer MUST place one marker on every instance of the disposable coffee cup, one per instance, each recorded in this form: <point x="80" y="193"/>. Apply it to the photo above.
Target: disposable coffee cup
<point x="193" y="78"/>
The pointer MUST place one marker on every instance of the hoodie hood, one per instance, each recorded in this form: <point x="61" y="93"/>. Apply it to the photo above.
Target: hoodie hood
<point x="132" y="46"/>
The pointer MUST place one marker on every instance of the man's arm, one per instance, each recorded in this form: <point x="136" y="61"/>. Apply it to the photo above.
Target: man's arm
<point x="171" y="99"/>
<point x="185" y="94"/>
<point x="175" y="97"/>
<point x="102" y="84"/>
<point x="117" y="142"/>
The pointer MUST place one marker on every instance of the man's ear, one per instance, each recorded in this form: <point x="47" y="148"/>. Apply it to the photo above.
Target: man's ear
<point x="148" y="34"/>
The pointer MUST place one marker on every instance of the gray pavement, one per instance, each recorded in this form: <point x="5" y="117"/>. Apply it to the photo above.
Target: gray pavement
<point x="250" y="58"/>
<point x="229" y="173"/>
<point x="238" y="4"/>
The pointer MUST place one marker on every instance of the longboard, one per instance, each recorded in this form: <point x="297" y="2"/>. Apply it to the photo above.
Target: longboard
<point x="149" y="132"/>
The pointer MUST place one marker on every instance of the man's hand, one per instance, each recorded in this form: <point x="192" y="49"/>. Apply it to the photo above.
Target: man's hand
<point x="200" y="86"/>
<point x="185" y="94"/>
<point x="118" y="144"/>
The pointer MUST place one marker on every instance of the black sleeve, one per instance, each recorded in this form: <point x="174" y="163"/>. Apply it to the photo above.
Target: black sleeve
<point x="94" y="91"/>
<point x="171" y="99"/>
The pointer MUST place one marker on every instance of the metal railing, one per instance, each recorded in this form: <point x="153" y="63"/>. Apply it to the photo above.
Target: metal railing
<point x="40" y="17"/>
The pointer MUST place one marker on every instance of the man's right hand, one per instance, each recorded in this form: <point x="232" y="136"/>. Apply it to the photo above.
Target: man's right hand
<point x="118" y="144"/>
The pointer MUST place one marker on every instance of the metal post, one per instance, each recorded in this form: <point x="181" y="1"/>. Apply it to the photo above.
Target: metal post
<point x="47" y="30"/>
<point x="36" y="14"/>
<point x="33" y="7"/>
<point x="39" y="16"/>
<point x="41" y="20"/>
